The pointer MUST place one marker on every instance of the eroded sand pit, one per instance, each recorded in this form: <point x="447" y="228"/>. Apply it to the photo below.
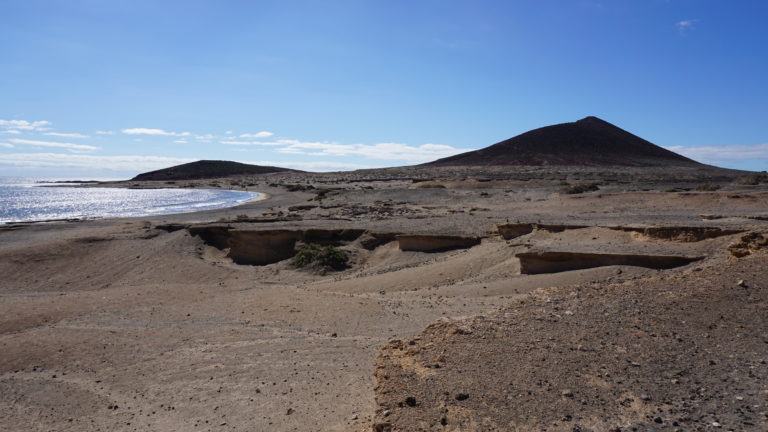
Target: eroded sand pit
<point x="552" y="262"/>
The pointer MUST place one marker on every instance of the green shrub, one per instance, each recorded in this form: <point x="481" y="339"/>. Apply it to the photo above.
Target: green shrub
<point x="707" y="187"/>
<point x="582" y="188"/>
<point x="326" y="257"/>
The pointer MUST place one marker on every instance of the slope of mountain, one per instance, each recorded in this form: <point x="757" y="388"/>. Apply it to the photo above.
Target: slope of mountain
<point x="589" y="141"/>
<point x="208" y="169"/>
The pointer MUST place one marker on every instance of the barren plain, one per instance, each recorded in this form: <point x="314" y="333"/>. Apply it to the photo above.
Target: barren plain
<point x="474" y="300"/>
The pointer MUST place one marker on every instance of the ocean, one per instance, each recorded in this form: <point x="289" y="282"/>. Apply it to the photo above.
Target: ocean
<point x="25" y="200"/>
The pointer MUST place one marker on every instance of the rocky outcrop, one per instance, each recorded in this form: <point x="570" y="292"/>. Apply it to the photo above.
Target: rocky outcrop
<point x="552" y="262"/>
<point x="510" y="231"/>
<point x="678" y="233"/>
<point x="749" y="244"/>
<point x="434" y="243"/>
<point x="371" y="241"/>
<point x="670" y="233"/>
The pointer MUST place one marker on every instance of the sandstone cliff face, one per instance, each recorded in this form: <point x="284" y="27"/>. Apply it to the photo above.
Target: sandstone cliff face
<point x="262" y="247"/>
<point x="432" y="243"/>
<point x="552" y="262"/>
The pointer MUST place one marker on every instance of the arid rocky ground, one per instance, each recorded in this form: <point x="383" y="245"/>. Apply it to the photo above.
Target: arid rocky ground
<point x="475" y="300"/>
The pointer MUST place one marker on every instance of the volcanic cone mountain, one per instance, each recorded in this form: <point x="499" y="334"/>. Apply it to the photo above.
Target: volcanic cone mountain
<point x="589" y="141"/>
<point x="204" y="169"/>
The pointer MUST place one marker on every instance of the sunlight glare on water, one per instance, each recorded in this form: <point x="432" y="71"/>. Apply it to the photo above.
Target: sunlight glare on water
<point x="21" y="200"/>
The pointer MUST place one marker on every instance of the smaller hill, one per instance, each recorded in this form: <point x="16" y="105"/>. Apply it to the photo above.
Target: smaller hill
<point x="204" y="169"/>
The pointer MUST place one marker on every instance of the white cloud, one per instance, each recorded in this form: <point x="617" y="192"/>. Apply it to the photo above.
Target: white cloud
<point x="104" y="132"/>
<point x="64" y="160"/>
<point x="180" y="141"/>
<point x="262" y="134"/>
<point x="11" y="131"/>
<point x="158" y="132"/>
<point x="66" y="135"/>
<point x="229" y="132"/>
<point x="144" y="163"/>
<point x="253" y="143"/>
<point x="685" y="25"/>
<point x="6" y="145"/>
<point x="720" y="154"/>
<point x="206" y="137"/>
<point x="74" y="147"/>
<point x="381" y="151"/>
<point x="40" y="125"/>
<point x="385" y="151"/>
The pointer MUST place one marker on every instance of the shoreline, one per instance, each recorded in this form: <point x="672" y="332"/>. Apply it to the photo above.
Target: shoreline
<point x="258" y="197"/>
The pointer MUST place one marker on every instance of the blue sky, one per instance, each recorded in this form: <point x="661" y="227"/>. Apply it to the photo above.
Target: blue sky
<point x="113" y="88"/>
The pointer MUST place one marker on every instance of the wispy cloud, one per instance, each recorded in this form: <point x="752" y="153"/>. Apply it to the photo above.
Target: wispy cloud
<point x="381" y="151"/>
<point x="145" y="163"/>
<point x="262" y="134"/>
<point x="70" y="146"/>
<point x="685" y="25"/>
<point x="6" y="145"/>
<point x="158" y="132"/>
<point x="66" y="135"/>
<point x="720" y="154"/>
<point x="11" y="131"/>
<point x="25" y="125"/>
<point x="252" y="143"/>
<point x="206" y="137"/>
<point x="64" y="160"/>
<point x="385" y="151"/>
<point x="104" y="132"/>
